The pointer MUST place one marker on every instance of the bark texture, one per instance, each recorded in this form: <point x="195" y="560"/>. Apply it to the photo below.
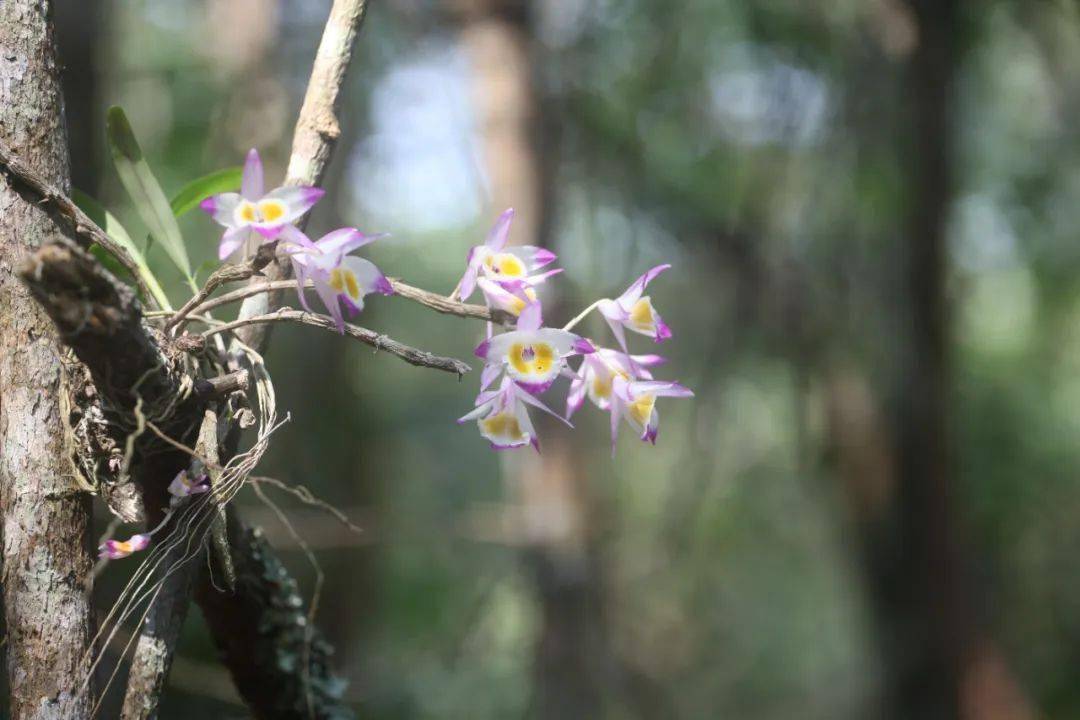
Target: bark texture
<point x="46" y="557"/>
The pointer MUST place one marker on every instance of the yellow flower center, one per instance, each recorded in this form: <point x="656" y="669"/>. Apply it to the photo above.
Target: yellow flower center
<point x="271" y="210"/>
<point x="247" y="212"/>
<point x="503" y="425"/>
<point x="534" y="359"/>
<point x="641" y="315"/>
<point x="641" y="409"/>
<point x="601" y="387"/>
<point x="342" y="280"/>
<point x="505" y="264"/>
<point x="517" y="304"/>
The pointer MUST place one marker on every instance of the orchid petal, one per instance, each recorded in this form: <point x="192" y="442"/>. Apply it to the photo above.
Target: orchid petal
<point x="369" y="276"/>
<point x="297" y="199"/>
<point x="222" y="208"/>
<point x="344" y="240"/>
<point x="531" y="318"/>
<point x="488" y="375"/>
<point x="496" y="239"/>
<point x="231" y="241"/>
<point x="251" y="184"/>
<point x="329" y="296"/>
<point x="637" y="289"/>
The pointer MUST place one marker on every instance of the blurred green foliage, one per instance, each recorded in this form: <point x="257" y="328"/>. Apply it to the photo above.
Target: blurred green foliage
<point x="757" y="147"/>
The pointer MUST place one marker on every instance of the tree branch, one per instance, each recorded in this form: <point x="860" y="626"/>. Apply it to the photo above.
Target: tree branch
<point x="436" y="302"/>
<point x="409" y="354"/>
<point x="160" y="630"/>
<point x="316" y="135"/>
<point x="101" y="320"/>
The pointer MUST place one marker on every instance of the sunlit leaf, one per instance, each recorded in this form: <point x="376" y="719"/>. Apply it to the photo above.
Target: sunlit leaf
<point x="189" y="197"/>
<point x="145" y="191"/>
<point x="115" y="230"/>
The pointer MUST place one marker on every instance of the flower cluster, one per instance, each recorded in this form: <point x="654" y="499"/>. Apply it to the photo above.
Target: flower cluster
<point x="340" y="281"/>
<point x="532" y="357"/>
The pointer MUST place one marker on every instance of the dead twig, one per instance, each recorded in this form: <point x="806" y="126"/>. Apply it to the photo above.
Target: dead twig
<point x="426" y="298"/>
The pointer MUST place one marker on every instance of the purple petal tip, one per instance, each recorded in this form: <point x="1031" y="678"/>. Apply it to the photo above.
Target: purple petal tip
<point x="209" y="205"/>
<point x="583" y="346"/>
<point x="269" y="232"/>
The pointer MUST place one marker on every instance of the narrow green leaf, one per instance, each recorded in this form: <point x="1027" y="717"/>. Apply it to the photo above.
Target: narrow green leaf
<point x="189" y="197"/>
<point x="112" y="227"/>
<point x="145" y="191"/>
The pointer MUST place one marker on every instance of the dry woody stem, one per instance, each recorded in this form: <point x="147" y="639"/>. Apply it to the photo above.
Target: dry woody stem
<point x="436" y="302"/>
<point x="409" y="354"/>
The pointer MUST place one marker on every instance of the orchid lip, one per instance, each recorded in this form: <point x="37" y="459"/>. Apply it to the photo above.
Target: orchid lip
<point x="268" y="232"/>
<point x="534" y="388"/>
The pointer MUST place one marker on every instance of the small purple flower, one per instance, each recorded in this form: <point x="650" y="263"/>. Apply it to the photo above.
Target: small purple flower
<point x="633" y="311"/>
<point x="116" y="549"/>
<point x="636" y="402"/>
<point x="339" y="280"/>
<point x="532" y="355"/>
<point x="184" y="486"/>
<point x="511" y="267"/>
<point x="503" y="417"/>
<point x="253" y="210"/>
<point x="595" y="376"/>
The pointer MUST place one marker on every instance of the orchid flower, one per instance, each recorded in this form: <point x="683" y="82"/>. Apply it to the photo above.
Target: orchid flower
<point x="252" y="209"/>
<point x="595" y="377"/>
<point x="634" y="312"/>
<point x="184" y="486"/>
<point x="636" y="402"/>
<point x="338" y="279"/>
<point x="512" y="300"/>
<point x="503" y="417"/>
<point x="509" y="267"/>
<point x="116" y="549"/>
<point x="533" y="356"/>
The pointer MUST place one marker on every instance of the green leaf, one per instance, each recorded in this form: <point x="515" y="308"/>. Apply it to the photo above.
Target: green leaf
<point x="112" y="227"/>
<point x="227" y="180"/>
<point x="144" y="189"/>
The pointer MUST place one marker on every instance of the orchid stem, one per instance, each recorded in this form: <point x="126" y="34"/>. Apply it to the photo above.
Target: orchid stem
<point x="582" y="315"/>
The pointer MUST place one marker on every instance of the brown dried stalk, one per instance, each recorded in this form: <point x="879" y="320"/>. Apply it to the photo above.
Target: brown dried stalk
<point x="409" y="354"/>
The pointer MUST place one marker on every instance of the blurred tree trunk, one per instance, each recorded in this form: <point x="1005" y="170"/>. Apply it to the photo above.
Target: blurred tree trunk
<point x="939" y="660"/>
<point x="572" y="657"/>
<point x="79" y="25"/>
<point x="46" y="558"/>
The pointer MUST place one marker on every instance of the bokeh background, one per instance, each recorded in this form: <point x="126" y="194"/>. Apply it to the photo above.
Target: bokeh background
<point x="870" y="509"/>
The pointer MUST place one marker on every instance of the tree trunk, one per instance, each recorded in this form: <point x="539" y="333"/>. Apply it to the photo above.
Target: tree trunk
<point x="45" y="514"/>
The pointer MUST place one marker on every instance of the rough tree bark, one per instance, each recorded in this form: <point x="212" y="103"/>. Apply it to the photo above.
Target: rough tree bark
<point x="46" y="554"/>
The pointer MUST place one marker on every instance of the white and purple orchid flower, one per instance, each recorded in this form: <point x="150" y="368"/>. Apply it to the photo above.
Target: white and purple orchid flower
<point x="184" y="486"/>
<point x="533" y="356"/>
<point x="254" y="210"/>
<point x="503" y="416"/>
<point x="116" y="549"/>
<point x="634" y="311"/>
<point x="513" y="268"/>
<point x="595" y="377"/>
<point x="635" y="401"/>
<point x="339" y="280"/>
